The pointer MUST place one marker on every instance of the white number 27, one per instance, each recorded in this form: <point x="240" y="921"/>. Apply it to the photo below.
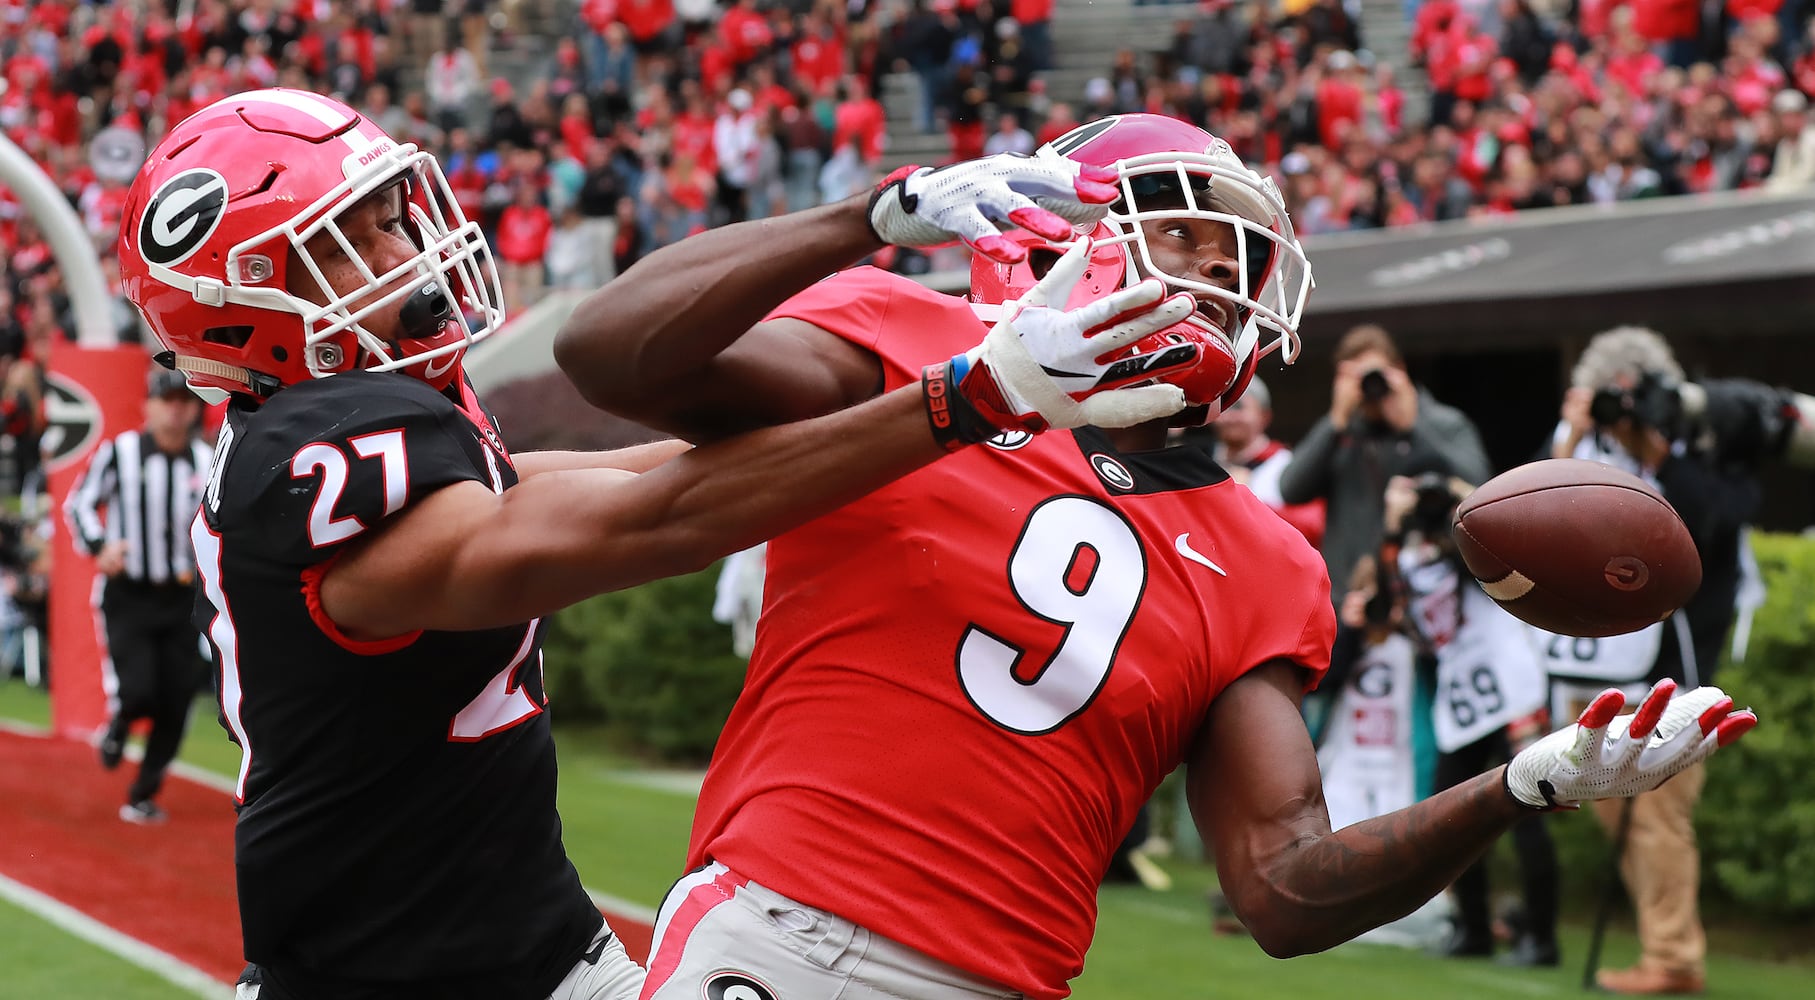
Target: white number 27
<point x="386" y="446"/>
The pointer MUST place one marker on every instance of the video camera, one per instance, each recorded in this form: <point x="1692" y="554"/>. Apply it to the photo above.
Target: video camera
<point x="1737" y="420"/>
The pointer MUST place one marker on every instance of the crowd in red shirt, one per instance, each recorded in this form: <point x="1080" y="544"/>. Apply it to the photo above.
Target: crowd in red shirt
<point x="646" y="126"/>
<point x="1607" y="100"/>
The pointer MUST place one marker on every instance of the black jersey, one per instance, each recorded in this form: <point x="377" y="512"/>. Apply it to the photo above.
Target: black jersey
<point x="397" y="831"/>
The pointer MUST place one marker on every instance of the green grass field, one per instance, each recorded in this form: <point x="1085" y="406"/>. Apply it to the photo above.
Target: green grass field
<point x="627" y="839"/>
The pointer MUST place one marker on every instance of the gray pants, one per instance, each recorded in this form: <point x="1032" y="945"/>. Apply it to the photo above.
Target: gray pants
<point x="722" y="935"/>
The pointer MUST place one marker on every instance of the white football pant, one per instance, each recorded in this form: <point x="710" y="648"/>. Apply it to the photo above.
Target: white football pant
<point x="723" y="937"/>
<point x="610" y="976"/>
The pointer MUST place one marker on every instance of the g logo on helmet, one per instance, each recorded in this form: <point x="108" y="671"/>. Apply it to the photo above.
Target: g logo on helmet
<point x="736" y="986"/>
<point x="181" y="216"/>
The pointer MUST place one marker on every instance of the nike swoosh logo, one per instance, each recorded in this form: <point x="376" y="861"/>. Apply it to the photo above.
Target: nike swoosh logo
<point x="598" y="949"/>
<point x="430" y="371"/>
<point x="1183" y="545"/>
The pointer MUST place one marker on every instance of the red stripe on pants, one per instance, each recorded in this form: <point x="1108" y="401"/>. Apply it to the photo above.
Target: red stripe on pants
<point x="699" y="902"/>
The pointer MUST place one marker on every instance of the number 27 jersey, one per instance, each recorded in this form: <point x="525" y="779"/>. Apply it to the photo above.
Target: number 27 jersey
<point x="396" y="797"/>
<point x="966" y="684"/>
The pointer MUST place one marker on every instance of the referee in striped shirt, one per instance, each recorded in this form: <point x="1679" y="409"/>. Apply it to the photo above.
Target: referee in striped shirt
<point x="132" y="513"/>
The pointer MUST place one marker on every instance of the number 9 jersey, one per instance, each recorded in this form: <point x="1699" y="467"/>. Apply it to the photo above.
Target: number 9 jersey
<point x="396" y="797"/>
<point x="966" y="684"/>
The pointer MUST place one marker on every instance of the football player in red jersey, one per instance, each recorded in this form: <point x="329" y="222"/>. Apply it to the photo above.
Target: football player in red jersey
<point x="965" y="684"/>
<point x="375" y="563"/>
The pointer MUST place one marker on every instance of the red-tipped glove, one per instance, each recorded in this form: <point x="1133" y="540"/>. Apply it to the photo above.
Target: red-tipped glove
<point x="974" y="200"/>
<point x="1044" y="366"/>
<point x="1606" y="755"/>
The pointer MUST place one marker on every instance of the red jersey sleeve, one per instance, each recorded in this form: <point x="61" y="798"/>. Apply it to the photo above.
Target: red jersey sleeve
<point x="904" y="323"/>
<point x="1287" y="613"/>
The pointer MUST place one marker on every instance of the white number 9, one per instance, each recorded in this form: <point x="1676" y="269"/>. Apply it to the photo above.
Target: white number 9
<point x="1095" y="614"/>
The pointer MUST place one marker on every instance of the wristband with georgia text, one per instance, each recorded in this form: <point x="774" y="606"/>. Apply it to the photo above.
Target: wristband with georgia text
<point x="954" y="421"/>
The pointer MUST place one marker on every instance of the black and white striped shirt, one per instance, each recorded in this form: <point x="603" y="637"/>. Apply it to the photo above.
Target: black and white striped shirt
<point x="148" y="498"/>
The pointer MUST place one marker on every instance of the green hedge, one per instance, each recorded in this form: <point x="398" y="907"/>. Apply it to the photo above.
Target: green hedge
<point x="649" y="662"/>
<point x="1757" y="815"/>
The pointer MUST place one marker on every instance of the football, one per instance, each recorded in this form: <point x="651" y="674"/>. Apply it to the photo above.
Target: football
<point x="1578" y="548"/>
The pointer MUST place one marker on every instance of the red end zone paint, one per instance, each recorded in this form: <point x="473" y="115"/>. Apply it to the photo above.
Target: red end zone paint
<point x="170" y="886"/>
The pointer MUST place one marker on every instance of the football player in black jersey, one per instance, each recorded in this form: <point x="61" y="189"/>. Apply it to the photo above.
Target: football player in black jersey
<point x="374" y="564"/>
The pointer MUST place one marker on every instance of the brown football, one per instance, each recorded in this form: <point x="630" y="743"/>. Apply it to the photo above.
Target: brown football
<point x="1579" y="548"/>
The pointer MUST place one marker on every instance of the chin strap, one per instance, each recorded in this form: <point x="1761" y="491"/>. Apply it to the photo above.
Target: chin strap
<point x="256" y="383"/>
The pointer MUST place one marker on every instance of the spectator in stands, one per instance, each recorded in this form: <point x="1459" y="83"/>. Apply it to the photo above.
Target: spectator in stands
<point x="1436" y="194"/>
<point x="768" y="190"/>
<point x="628" y="246"/>
<point x="1009" y="137"/>
<point x="523" y="235"/>
<point x="1525" y="40"/>
<point x="1011" y="65"/>
<point x="570" y="253"/>
<point x="923" y="41"/>
<point x="451" y="79"/>
<point x="1256" y="460"/>
<point x="610" y="68"/>
<point x="1793" y="160"/>
<point x="675" y="199"/>
<point x="962" y="108"/>
<point x="735" y="145"/>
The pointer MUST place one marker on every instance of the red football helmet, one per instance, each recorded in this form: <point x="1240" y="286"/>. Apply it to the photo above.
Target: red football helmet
<point x="1169" y="169"/>
<point x="226" y="205"/>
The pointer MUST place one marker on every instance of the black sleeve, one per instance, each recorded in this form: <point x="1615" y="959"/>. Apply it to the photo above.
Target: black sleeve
<point x="84" y="506"/>
<point x="322" y="467"/>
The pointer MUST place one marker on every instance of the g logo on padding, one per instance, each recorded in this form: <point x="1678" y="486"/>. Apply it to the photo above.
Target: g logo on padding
<point x="183" y="213"/>
<point x="736" y="986"/>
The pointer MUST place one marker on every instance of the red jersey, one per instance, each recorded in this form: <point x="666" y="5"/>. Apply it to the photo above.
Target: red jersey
<point x="966" y="684"/>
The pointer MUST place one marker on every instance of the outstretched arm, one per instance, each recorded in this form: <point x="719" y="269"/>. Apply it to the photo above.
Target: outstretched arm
<point x="466" y="558"/>
<point x="677" y="341"/>
<point x="1257" y="796"/>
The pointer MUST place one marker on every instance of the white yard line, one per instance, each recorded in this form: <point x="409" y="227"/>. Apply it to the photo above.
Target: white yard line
<point x="622" y="907"/>
<point x="161" y="964"/>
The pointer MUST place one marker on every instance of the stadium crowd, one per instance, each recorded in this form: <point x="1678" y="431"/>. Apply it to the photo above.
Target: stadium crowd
<point x="652" y="119"/>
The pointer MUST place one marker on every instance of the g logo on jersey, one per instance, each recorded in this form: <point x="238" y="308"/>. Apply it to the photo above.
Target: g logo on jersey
<point x="1112" y="472"/>
<point x="182" y="215"/>
<point x="735" y="986"/>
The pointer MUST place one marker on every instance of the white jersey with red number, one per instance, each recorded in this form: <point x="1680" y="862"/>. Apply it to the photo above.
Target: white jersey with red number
<point x="966" y="684"/>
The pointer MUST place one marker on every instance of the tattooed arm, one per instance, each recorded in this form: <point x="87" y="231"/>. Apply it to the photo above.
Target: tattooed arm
<point x="1257" y="797"/>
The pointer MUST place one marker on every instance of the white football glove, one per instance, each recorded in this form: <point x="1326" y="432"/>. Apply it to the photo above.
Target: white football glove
<point x="1044" y="366"/>
<point x="1606" y="755"/>
<point x="974" y="200"/>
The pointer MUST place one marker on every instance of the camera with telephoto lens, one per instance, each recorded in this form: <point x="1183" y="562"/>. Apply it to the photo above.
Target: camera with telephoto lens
<point x="1737" y="420"/>
<point x="1650" y="403"/>
<point x="1374" y="386"/>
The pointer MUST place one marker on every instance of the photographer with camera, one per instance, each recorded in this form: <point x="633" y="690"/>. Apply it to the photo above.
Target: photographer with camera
<point x="1489" y="693"/>
<point x="1629" y="406"/>
<point x="1381" y="424"/>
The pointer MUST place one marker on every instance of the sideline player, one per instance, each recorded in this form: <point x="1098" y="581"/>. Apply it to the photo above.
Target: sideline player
<point x="967" y="682"/>
<point x="374" y="563"/>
